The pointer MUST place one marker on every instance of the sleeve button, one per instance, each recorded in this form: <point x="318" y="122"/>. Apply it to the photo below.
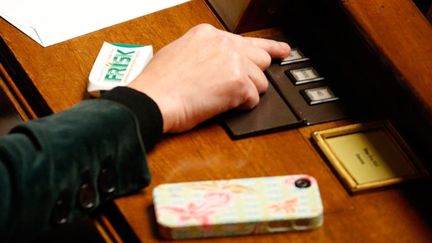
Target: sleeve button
<point x="60" y="212"/>
<point x="107" y="180"/>
<point x="87" y="196"/>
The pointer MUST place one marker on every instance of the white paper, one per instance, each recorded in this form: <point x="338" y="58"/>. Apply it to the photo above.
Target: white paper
<point x="52" y="21"/>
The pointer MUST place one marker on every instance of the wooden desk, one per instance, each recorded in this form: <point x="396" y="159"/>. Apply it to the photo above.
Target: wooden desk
<point x="54" y="78"/>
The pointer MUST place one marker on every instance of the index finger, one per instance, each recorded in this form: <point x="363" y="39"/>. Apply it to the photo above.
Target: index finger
<point x="276" y="49"/>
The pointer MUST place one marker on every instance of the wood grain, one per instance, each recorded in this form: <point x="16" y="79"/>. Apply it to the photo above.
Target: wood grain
<point x="60" y="72"/>
<point x="208" y="153"/>
<point x="403" y="36"/>
<point x="398" y="214"/>
<point x="18" y="102"/>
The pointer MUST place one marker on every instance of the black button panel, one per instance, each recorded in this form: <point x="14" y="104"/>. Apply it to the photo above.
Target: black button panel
<point x="306" y="89"/>
<point x="300" y="93"/>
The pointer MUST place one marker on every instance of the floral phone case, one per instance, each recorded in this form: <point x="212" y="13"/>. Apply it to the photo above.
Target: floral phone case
<point x="238" y="206"/>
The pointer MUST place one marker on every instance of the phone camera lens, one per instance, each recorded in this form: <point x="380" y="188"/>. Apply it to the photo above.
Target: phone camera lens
<point x="302" y="183"/>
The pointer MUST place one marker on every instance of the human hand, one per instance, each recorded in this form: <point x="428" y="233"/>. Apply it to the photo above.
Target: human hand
<point x="207" y="72"/>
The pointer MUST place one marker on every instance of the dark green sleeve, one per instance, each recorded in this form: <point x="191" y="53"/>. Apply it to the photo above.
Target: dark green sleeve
<point x="56" y="169"/>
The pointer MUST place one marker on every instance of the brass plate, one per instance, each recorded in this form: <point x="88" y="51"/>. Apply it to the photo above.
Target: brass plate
<point x="368" y="156"/>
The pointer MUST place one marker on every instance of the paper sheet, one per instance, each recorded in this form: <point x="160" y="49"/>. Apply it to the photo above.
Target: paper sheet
<point x="52" y="21"/>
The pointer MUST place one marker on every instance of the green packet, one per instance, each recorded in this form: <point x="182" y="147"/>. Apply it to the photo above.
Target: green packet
<point x="117" y="65"/>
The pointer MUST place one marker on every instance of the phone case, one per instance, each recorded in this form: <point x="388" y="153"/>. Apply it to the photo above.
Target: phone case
<point x="238" y="206"/>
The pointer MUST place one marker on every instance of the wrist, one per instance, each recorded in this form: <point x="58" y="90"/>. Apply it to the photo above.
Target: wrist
<point x="161" y="100"/>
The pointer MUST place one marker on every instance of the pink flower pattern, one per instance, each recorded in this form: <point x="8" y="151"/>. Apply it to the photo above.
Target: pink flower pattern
<point x="218" y="195"/>
<point x="213" y="202"/>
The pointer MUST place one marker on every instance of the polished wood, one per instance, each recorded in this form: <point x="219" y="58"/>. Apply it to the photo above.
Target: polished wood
<point x="17" y="100"/>
<point x="245" y="15"/>
<point x="403" y="37"/>
<point x="60" y="72"/>
<point x="208" y="153"/>
<point x="397" y="214"/>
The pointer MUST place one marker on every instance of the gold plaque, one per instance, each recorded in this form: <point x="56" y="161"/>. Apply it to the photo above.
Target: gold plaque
<point x="369" y="155"/>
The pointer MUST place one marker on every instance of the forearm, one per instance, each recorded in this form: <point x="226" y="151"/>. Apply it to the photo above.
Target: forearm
<point x="63" y="166"/>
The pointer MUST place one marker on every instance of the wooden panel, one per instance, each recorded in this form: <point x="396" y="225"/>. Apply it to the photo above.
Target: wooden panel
<point x="243" y="16"/>
<point x="369" y="78"/>
<point x="18" y="101"/>
<point x="403" y="36"/>
<point x="230" y="12"/>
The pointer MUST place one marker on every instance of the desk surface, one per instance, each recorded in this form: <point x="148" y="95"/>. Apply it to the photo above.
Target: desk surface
<point x="60" y="72"/>
<point x="58" y="77"/>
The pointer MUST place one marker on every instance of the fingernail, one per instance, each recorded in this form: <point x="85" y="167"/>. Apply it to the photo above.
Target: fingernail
<point x="284" y="45"/>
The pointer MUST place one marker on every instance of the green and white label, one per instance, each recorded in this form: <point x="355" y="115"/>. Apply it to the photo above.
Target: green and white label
<point x="118" y="65"/>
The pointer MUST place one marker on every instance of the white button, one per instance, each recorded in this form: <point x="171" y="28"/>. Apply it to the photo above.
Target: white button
<point x="295" y="56"/>
<point x="305" y="75"/>
<point x="320" y="95"/>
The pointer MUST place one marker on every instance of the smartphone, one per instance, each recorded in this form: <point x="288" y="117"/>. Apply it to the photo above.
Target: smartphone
<point x="238" y="206"/>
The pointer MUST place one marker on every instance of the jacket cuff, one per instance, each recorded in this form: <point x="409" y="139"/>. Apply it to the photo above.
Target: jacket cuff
<point x="150" y="121"/>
